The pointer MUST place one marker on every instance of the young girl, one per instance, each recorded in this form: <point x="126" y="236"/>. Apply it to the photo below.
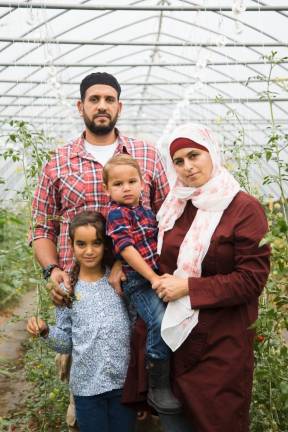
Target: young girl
<point x="95" y="330"/>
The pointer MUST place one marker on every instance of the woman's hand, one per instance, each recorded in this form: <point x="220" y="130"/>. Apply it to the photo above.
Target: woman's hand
<point x="37" y="327"/>
<point x="170" y="288"/>
<point x="116" y="277"/>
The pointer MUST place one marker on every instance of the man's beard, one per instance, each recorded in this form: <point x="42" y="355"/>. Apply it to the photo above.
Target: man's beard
<point x="99" y="129"/>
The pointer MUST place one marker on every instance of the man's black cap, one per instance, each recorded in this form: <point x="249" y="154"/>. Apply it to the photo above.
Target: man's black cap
<point x="99" y="78"/>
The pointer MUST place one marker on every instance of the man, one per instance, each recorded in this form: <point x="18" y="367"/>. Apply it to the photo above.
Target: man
<point x="72" y="180"/>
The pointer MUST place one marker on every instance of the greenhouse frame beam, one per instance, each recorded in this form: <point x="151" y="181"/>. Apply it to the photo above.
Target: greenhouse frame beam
<point x="145" y="120"/>
<point x="224" y="121"/>
<point x="132" y="65"/>
<point x="253" y="122"/>
<point x="71" y="6"/>
<point x="137" y="101"/>
<point x="39" y="82"/>
<point x="130" y="43"/>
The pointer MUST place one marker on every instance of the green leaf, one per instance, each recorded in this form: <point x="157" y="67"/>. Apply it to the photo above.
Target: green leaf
<point x="13" y="137"/>
<point x="284" y="388"/>
<point x="268" y="155"/>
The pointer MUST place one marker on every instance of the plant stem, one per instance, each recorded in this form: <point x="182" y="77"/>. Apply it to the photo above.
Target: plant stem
<point x="277" y="149"/>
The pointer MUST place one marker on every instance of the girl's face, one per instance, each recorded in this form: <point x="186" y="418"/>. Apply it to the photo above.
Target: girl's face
<point x="88" y="249"/>
<point x="193" y="166"/>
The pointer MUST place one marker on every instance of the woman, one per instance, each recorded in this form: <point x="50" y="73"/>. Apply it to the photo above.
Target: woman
<point x="213" y="273"/>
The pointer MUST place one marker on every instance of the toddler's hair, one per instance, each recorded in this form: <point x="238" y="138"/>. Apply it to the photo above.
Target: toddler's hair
<point x="120" y="159"/>
<point x="97" y="221"/>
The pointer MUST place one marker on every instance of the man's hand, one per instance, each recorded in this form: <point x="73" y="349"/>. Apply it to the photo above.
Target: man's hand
<point x="116" y="277"/>
<point x="36" y="327"/>
<point x="58" y="296"/>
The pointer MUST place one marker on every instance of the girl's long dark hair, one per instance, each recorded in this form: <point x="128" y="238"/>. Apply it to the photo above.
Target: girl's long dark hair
<point x="97" y="221"/>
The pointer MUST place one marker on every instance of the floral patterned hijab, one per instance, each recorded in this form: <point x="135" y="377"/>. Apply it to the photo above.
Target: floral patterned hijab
<point x="211" y="199"/>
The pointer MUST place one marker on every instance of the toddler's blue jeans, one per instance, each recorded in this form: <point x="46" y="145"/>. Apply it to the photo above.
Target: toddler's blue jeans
<point x="151" y="309"/>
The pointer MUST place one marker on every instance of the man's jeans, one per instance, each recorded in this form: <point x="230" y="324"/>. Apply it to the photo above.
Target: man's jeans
<point x="104" y="413"/>
<point x="151" y="309"/>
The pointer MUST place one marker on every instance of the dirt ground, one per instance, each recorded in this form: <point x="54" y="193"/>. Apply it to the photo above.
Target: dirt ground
<point x="13" y="385"/>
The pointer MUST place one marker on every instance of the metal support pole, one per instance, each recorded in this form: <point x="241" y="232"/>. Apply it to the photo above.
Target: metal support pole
<point x="128" y="43"/>
<point x="138" y="101"/>
<point x="159" y="83"/>
<point x="109" y="65"/>
<point x="71" y="6"/>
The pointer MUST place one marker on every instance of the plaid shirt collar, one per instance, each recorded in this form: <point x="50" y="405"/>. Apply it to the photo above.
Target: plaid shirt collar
<point x="78" y="146"/>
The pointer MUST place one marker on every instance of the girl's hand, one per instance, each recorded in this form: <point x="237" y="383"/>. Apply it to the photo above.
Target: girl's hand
<point x="170" y="288"/>
<point x="37" y="327"/>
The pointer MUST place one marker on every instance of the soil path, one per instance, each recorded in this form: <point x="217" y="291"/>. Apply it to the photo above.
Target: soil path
<point x="13" y="385"/>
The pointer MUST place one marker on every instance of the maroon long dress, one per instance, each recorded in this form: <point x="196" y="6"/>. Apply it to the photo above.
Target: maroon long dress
<point x="212" y="371"/>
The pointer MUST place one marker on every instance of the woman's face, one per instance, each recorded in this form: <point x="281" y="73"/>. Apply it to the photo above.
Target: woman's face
<point x="193" y="166"/>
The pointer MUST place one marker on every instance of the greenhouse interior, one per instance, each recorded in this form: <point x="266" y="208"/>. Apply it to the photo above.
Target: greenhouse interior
<point x="216" y="68"/>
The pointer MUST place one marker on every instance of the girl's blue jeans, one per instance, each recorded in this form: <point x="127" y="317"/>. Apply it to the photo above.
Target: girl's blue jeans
<point x="104" y="413"/>
<point x="151" y="309"/>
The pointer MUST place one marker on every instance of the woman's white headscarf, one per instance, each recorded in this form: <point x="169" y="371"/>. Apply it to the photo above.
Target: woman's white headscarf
<point x="211" y="199"/>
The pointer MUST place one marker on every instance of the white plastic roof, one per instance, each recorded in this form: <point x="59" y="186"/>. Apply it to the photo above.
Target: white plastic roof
<point x="177" y="61"/>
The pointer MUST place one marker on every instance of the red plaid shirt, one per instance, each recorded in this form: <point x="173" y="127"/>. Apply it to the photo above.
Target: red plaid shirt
<point x="133" y="226"/>
<point x="71" y="182"/>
